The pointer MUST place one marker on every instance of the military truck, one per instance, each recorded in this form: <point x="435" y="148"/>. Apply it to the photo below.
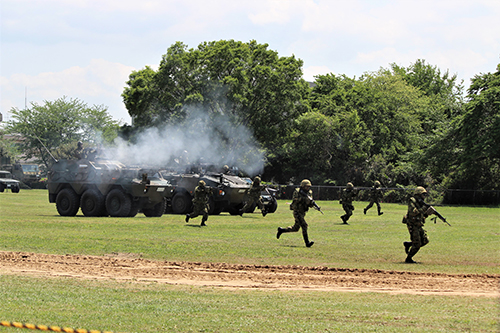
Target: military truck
<point x="27" y="173"/>
<point x="7" y="182"/>
<point x="229" y="195"/>
<point x="106" y="188"/>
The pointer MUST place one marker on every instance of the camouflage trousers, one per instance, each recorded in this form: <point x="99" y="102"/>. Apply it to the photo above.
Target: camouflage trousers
<point x="348" y="209"/>
<point x="300" y="222"/>
<point x="418" y="237"/>
<point x="370" y="205"/>
<point x="251" y="201"/>
<point x="200" y="209"/>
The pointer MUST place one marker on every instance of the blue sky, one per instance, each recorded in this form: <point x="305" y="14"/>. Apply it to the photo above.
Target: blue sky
<point x="86" y="49"/>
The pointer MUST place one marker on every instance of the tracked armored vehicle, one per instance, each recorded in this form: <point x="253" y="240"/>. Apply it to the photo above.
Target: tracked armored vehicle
<point x="229" y="195"/>
<point x="106" y="188"/>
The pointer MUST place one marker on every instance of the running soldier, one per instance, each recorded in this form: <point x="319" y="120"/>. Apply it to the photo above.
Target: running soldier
<point x="376" y="196"/>
<point x="301" y="201"/>
<point x="200" y="202"/>
<point x="414" y="219"/>
<point x="254" y="197"/>
<point x="346" y="199"/>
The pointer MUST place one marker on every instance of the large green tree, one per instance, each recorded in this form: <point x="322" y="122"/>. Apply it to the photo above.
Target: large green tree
<point x="478" y="133"/>
<point x="59" y="125"/>
<point x="378" y="121"/>
<point x="244" y="82"/>
<point x="443" y="88"/>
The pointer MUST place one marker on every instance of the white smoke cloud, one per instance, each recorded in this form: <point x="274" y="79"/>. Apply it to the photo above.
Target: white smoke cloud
<point x="214" y="140"/>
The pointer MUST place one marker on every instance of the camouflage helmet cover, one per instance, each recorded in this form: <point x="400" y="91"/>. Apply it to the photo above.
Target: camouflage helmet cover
<point x="256" y="179"/>
<point x="420" y="190"/>
<point x="201" y="183"/>
<point x="377" y="183"/>
<point x="350" y="185"/>
<point x="305" y="182"/>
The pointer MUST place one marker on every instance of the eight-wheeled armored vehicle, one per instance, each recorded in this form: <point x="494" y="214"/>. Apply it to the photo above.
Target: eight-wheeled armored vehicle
<point x="106" y="188"/>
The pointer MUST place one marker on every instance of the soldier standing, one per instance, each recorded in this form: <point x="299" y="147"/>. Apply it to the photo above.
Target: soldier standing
<point x="418" y="211"/>
<point x="79" y="152"/>
<point x="301" y="201"/>
<point x="200" y="202"/>
<point x="254" y="197"/>
<point x="376" y="196"/>
<point x="346" y="198"/>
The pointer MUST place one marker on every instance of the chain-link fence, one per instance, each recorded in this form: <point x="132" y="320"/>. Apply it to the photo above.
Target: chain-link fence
<point x="401" y="194"/>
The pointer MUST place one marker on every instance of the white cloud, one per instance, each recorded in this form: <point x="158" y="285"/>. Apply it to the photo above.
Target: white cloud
<point x="271" y="11"/>
<point x="101" y="83"/>
<point x="311" y="71"/>
<point x="52" y="46"/>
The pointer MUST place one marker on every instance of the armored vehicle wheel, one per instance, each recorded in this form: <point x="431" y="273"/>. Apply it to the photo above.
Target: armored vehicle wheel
<point x="16" y="189"/>
<point x="157" y="210"/>
<point x="118" y="203"/>
<point x="2" y="188"/>
<point x="67" y="202"/>
<point x="211" y="206"/>
<point x="181" y="203"/>
<point x="235" y="210"/>
<point x="134" y="209"/>
<point x="93" y="203"/>
<point x="273" y="205"/>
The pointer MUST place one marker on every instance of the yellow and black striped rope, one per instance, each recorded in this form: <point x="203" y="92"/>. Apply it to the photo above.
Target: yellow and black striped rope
<point x="49" y="328"/>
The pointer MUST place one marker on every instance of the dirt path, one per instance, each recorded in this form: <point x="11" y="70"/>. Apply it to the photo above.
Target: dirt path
<point x="123" y="267"/>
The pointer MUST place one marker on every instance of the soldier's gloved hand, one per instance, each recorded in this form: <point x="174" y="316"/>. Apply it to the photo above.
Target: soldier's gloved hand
<point x="430" y="210"/>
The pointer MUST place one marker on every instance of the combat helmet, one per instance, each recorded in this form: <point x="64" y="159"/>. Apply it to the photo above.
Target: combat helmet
<point x="305" y="182"/>
<point x="350" y="186"/>
<point x="201" y="183"/>
<point x="420" y="190"/>
<point x="256" y="180"/>
<point x="377" y="183"/>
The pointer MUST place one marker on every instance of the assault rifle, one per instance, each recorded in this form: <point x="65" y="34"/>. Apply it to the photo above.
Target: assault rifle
<point x="441" y="217"/>
<point x="315" y="205"/>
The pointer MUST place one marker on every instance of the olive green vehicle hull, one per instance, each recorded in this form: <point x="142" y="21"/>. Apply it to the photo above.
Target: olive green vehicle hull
<point x="105" y="188"/>
<point x="229" y="192"/>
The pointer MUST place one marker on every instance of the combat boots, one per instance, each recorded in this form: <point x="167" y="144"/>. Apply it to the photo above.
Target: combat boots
<point x="280" y="231"/>
<point x="409" y="260"/>
<point x="187" y="218"/>
<point x="407" y="246"/>
<point x="309" y="244"/>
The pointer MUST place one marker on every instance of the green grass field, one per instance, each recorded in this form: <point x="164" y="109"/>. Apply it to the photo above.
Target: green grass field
<point x="28" y="222"/>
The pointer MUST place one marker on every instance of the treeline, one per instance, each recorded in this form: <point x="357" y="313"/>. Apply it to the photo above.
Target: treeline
<point x="400" y="125"/>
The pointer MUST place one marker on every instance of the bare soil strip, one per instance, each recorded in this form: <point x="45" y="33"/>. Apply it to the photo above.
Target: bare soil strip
<point x="122" y="267"/>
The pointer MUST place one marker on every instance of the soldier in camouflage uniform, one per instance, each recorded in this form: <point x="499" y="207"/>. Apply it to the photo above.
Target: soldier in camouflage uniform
<point x="376" y="196"/>
<point x="301" y="201"/>
<point x="200" y="202"/>
<point x="254" y="197"/>
<point x="79" y="152"/>
<point x="415" y="220"/>
<point x="346" y="198"/>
